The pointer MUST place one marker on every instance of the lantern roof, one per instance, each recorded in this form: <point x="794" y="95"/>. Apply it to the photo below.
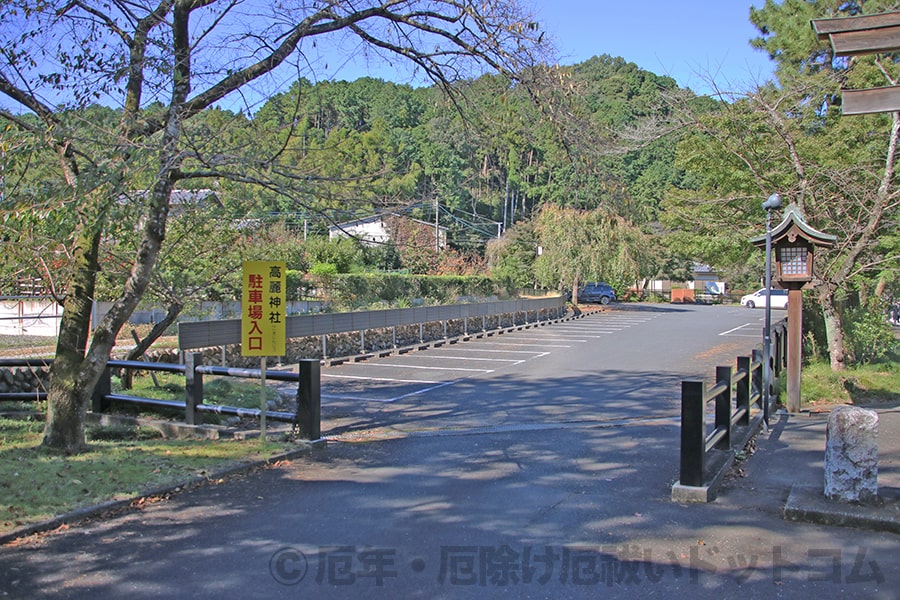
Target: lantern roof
<point x="793" y="226"/>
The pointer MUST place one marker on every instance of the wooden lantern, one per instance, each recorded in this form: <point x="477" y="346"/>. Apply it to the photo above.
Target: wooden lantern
<point x="794" y="243"/>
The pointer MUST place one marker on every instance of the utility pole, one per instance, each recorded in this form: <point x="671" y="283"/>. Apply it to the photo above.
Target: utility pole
<point x="437" y="226"/>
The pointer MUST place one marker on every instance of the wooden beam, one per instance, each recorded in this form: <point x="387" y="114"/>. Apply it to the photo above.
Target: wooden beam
<point x="825" y="27"/>
<point x="869" y="41"/>
<point x="873" y="100"/>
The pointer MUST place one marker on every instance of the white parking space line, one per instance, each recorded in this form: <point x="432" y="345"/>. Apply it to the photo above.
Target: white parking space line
<point x="563" y="339"/>
<point x="424" y="367"/>
<point x="450" y="357"/>
<point x="581" y="334"/>
<point x="437" y="386"/>
<point x="618" y="325"/>
<point x="355" y="398"/>
<point x="740" y="329"/>
<point x="492" y="351"/>
<point x="391" y="379"/>
<point x="526" y="344"/>
<point x="424" y="390"/>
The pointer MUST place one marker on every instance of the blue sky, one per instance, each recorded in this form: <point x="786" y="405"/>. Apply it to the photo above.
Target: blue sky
<point x="690" y="41"/>
<point x="694" y="42"/>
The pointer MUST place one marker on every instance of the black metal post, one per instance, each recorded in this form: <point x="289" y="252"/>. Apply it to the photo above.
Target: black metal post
<point x="193" y="387"/>
<point x="767" y="330"/>
<point x="309" y="400"/>
<point x="758" y="379"/>
<point x="744" y="387"/>
<point x="723" y="407"/>
<point x="99" y="403"/>
<point x="693" y="434"/>
<point x="781" y="353"/>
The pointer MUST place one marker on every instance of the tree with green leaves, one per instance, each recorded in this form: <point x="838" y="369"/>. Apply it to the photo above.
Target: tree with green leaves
<point x="159" y="67"/>
<point x="511" y="257"/>
<point x="789" y="137"/>
<point x="579" y="245"/>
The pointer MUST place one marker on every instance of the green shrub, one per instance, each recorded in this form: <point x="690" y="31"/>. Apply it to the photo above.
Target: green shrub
<point x="355" y="291"/>
<point x="869" y="335"/>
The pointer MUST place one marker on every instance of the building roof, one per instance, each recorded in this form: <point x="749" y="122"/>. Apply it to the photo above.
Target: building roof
<point x="794" y="224"/>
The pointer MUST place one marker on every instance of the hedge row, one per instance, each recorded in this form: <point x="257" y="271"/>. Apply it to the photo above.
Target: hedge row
<point x="354" y="291"/>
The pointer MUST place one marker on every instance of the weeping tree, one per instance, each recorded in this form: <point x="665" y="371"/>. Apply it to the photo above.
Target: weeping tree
<point x="582" y="245"/>
<point x="158" y="66"/>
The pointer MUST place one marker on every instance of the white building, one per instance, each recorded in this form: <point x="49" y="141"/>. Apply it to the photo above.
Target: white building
<point x="380" y="229"/>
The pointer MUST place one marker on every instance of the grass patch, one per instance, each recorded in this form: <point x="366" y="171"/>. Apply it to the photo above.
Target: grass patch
<point x="224" y="391"/>
<point x="45" y="346"/>
<point x="863" y="384"/>
<point x="121" y="463"/>
<point x="228" y="391"/>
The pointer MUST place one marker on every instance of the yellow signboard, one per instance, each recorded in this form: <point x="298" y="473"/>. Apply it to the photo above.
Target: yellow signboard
<point x="263" y="309"/>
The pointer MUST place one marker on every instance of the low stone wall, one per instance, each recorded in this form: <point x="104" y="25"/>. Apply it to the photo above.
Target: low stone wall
<point x="354" y="343"/>
<point x="24" y="380"/>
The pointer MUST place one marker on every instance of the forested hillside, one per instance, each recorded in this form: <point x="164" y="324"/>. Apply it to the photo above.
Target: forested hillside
<point x="368" y="145"/>
<point x="323" y="153"/>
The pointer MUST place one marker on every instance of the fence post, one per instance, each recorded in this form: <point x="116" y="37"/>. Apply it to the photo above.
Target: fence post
<point x="723" y="407"/>
<point x="775" y="352"/>
<point x="99" y="403"/>
<point x="744" y="388"/>
<point x="758" y="384"/>
<point x="193" y="386"/>
<point x="309" y="400"/>
<point x="693" y="434"/>
<point x="781" y="347"/>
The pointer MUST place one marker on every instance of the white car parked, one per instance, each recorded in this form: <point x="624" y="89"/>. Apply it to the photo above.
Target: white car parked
<point x="758" y="299"/>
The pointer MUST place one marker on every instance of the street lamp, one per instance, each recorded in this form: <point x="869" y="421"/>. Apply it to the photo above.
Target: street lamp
<point x="773" y="202"/>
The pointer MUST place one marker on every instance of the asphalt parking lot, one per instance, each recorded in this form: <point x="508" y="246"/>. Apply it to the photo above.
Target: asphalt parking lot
<point x="468" y="383"/>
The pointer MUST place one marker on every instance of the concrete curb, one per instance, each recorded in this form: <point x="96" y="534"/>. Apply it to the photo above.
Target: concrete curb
<point x="808" y="504"/>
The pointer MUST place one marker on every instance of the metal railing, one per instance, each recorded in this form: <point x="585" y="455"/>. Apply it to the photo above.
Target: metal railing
<point x="307" y="417"/>
<point x="738" y="405"/>
<point x="740" y="388"/>
<point x="29" y="363"/>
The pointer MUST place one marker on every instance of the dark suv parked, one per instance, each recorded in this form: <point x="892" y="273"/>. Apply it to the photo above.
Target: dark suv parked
<point x="596" y="292"/>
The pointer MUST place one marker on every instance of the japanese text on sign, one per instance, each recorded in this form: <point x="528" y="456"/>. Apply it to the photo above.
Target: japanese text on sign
<point x="262" y="309"/>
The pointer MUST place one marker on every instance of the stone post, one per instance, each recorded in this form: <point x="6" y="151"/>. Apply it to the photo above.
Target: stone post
<point x="851" y="455"/>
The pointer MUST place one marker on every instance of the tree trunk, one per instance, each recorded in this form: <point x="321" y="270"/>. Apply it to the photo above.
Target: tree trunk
<point x="66" y="408"/>
<point x="834" y="331"/>
<point x="138" y="351"/>
<point x="68" y="395"/>
<point x="74" y="372"/>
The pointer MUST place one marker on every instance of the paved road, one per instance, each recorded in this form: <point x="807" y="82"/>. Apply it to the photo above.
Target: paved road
<point x="545" y="474"/>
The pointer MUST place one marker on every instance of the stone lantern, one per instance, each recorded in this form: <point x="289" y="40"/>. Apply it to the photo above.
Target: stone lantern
<point x="794" y="243"/>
